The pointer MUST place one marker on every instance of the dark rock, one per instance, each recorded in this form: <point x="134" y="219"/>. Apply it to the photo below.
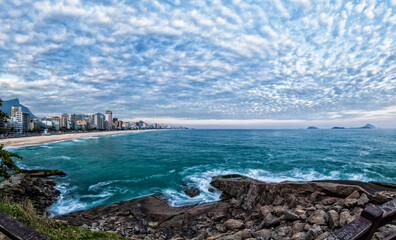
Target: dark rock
<point x="299" y="236"/>
<point x="192" y="192"/>
<point x="42" y="172"/>
<point x="21" y="186"/>
<point x="263" y="234"/>
<point x="290" y="215"/>
<point x="233" y="224"/>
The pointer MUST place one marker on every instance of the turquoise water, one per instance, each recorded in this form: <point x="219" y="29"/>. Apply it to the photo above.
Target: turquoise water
<point x="112" y="168"/>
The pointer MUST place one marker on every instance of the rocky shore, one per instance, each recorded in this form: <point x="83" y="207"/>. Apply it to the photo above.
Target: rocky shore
<point x="249" y="209"/>
<point x="30" y="185"/>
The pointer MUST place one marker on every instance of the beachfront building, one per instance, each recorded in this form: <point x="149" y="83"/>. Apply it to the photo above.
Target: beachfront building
<point x="126" y="125"/>
<point x="64" y="121"/>
<point x="109" y="119"/>
<point x="98" y="121"/>
<point x="25" y="122"/>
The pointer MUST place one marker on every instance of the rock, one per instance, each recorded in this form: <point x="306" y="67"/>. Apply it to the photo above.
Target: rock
<point x="211" y="189"/>
<point x="299" y="236"/>
<point x="244" y="234"/>
<point x="42" y="172"/>
<point x="321" y="236"/>
<point x="334" y="219"/>
<point x="349" y="202"/>
<point x="344" y="216"/>
<point x="230" y="237"/>
<point x="264" y="210"/>
<point x="363" y="200"/>
<point x="192" y="192"/>
<point x="314" y="232"/>
<point x="20" y="187"/>
<point x="233" y="224"/>
<point x="263" y="234"/>
<point x="318" y="217"/>
<point x="281" y="232"/>
<point x="354" y="195"/>
<point x="298" y="227"/>
<point x="271" y="220"/>
<point x="290" y="215"/>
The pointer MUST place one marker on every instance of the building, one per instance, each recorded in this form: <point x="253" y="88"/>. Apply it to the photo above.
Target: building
<point x="76" y="117"/>
<point x="15" y="110"/>
<point x="98" y="121"/>
<point x="64" y="121"/>
<point x="109" y="119"/>
<point x="25" y="122"/>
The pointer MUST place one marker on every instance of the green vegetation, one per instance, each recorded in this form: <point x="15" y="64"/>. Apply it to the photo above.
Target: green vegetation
<point x="27" y="214"/>
<point x="7" y="165"/>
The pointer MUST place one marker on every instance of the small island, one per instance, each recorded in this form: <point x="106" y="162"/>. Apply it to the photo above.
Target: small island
<point x="312" y="127"/>
<point x="367" y="126"/>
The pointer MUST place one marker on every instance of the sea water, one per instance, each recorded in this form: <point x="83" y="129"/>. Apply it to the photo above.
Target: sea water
<point x="111" y="168"/>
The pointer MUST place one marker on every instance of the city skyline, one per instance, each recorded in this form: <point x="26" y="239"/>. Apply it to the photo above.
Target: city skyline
<point x="237" y="64"/>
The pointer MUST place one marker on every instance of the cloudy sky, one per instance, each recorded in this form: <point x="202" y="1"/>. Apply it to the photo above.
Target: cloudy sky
<point x="286" y="62"/>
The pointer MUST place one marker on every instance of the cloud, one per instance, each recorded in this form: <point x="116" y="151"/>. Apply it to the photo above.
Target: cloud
<point x="200" y="60"/>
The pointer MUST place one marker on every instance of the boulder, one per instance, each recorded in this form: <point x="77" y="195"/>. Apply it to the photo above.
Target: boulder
<point x="318" y="217"/>
<point x="233" y="224"/>
<point x="192" y="192"/>
<point x="334" y="219"/>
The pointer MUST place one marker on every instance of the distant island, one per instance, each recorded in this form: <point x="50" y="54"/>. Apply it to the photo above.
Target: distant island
<point x="367" y="126"/>
<point x="312" y="127"/>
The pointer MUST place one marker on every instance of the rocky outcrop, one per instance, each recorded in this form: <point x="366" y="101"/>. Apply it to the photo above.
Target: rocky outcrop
<point x="249" y="209"/>
<point x="19" y="187"/>
<point x="42" y="172"/>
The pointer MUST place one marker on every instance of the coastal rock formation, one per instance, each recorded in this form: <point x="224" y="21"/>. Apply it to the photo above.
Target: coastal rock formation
<point x="21" y="186"/>
<point x="249" y="209"/>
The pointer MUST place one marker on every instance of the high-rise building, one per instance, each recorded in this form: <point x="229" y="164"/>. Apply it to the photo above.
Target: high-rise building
<point x="64" y="121"/>
<point x="25" y="122"/>
<point x="98" y="121"/>
<point x="76" y="117"/>
<point x="109" y="119"/>
<point x="14" y="110"/>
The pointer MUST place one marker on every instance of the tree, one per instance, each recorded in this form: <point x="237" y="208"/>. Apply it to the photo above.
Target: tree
<point x="7" y="165"/>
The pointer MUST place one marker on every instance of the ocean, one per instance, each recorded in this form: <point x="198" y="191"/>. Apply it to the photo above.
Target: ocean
<point x="111" y="168"/>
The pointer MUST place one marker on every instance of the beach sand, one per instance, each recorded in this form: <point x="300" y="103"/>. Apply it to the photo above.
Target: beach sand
<point x="35" y="140"/>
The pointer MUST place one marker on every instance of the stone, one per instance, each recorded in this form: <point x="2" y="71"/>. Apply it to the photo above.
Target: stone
<point x="354" y="195"/>
<point x="321" y="236"/>
<point x="230" y="237"/>
<point x="344" y="216"/>
<point x="298" y="227"/>
<point x="318" y="217"/>
<point x="314" y="232"/>
<point x="192" y="192"/>
<point x="263" y="234"/>
<point x="233" y="224"/>
<point x="278" y="200"/>
<point x="334" y="219"/>
<point x="211" y="189"/>
<point x="299" y="236"/>
<point x="244" y="234"/>
<point x="281" y="232"/>
<point x="271" y="220"/>
<point x="290" y="215"/>
<point x="350" y="202"/>
<point x="363" y="200"/>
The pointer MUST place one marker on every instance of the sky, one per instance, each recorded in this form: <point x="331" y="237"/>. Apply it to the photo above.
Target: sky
<point x="275" y="63"/>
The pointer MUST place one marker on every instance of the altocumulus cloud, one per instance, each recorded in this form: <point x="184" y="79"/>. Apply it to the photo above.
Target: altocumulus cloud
<point x="297" y="59"/>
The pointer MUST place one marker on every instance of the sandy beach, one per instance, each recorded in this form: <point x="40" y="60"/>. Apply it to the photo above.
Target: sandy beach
<point x="35" y="140"/>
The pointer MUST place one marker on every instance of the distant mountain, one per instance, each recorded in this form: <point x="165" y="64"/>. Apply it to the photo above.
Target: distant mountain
<point x="367" y="126"/>
<point x="312" y="127"/>
<point x="15" y="102"/>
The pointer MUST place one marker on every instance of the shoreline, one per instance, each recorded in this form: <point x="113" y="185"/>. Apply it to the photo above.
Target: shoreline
<point x="37" y="140"/>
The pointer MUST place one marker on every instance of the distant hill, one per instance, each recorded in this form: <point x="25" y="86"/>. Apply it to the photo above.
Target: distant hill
<point x="367" y="126"/>
<point x="15" y="102"/>
<point x="312" y="127"/>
